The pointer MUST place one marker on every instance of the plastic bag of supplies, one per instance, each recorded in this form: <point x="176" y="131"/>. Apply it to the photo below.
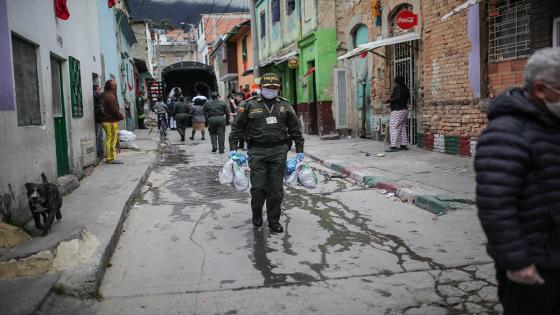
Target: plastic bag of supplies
<point x="292" y="171"/>
<point x="226" y="174"/>
<point x="240" y="180"/>
<point x="306" y="176"/>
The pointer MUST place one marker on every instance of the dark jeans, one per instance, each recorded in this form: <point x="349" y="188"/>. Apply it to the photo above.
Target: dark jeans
<point x="524" y="299"/>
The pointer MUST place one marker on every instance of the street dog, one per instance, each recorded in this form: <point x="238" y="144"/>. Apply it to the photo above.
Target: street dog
<point x="45" y="200"/>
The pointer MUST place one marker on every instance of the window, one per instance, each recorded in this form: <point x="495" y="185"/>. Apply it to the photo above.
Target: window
<point x="263" y="24"/>
<point x="76" y="87"/>
<point x="290" y="6"/>
<point x="26" y="81"/>
<point x="556" y="33"/>
<point x="508" y="29"/>
<point x="275" y="8"/>
<point x="56" y="88"/>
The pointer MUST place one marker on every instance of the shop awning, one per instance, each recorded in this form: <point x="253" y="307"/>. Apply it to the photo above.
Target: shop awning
<point x="460" y="8"/>
<point x="279" y="60"/>
<point x="285" y="57"/>
<point x="380" y="43"/>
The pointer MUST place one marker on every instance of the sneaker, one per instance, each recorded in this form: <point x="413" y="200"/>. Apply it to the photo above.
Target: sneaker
<point x="203" y="139"/>
<point x="403" y="147"/>
<point x="214" y="150"/>
<point x="392" y="149"/>
<point x="192" y="138"/>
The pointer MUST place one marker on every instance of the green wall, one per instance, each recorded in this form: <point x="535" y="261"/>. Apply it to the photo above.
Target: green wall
<point x="320" y="47"/>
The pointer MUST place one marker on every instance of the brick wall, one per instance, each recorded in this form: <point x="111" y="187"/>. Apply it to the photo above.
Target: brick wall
<point x="447" y="104"/>
<point x="505" y="74"/>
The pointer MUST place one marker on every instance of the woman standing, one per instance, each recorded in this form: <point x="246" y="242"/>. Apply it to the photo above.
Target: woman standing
<point x="199" y="117"/>
<point x="399" y="114"/>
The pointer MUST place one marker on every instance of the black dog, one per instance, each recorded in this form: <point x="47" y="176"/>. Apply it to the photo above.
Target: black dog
<point x="44" y="200"/>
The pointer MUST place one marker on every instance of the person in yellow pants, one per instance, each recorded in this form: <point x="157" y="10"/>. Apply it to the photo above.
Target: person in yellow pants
<point x="110" y="118"/>
<point x="111" y="129"/>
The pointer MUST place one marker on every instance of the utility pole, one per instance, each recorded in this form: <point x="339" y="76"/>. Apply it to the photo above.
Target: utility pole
<point x="255" y="40"/>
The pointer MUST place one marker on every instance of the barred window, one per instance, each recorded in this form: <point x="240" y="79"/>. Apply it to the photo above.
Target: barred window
<point x="27" y="84"/>
<point x="508" y="29"/>
<point x="263" y="24"/>
<point x="290" y="6"/>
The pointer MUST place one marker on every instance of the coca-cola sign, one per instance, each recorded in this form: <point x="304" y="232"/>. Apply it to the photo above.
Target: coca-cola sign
<point x="406" y="19"/>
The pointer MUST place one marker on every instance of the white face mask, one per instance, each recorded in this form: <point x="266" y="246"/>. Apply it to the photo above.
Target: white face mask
<point x="553" y="107"/>
<point x="269" y="93"/>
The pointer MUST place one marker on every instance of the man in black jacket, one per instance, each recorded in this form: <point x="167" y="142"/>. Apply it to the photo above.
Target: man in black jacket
<point x="518" y="188"/>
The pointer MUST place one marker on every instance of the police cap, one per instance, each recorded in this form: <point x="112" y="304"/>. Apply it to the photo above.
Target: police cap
<point x="270" y="80"/>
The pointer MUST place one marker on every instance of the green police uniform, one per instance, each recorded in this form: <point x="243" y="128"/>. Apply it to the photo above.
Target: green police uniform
<point x="181" y="112"/>
<point x="267" y="124"/>
<point x="218" y="118"/>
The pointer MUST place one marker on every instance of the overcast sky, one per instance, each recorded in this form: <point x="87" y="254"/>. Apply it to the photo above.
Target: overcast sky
<point x="189" y="11"/>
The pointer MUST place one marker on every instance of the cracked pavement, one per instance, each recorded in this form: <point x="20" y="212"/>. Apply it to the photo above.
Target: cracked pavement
<point x="188" y="247"/>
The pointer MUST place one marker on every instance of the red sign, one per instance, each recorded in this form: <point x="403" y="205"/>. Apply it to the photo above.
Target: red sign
<point x="406" y="20"/>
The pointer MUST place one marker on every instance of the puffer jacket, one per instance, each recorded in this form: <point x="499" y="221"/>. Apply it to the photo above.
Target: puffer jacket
<point x="518" y="183"/>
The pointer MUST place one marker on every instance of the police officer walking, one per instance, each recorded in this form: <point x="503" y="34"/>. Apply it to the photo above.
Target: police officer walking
<point x="267" y="120"/>
<point x="218" y="118"/>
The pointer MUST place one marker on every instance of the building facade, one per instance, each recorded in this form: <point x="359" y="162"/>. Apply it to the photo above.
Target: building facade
<point x="297" y="39"/>
<point x="211" y="28"/>
<point x="232" y="59"/>
<point x="173" y="47"/>
<point x="46" y="111"/>
<point x="453" y="66"/>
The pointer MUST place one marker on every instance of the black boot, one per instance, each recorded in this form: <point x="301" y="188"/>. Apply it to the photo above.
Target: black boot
<point x="257" y="220"/>
<point x="214" y="150"/>
<point x="275" y="227"/>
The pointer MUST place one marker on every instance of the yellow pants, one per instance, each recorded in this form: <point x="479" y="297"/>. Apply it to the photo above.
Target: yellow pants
<point x="111" y="130"/>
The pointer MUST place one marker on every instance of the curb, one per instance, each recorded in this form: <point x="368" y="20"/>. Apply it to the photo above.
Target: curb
<point x="434" y="204"/>
<point x="85" y="284"/>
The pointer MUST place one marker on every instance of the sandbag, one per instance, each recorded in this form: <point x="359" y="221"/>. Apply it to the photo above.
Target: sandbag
<point x="307" y="177"/>
<point x="240" y="180"/>
<point x="226" y="174"/>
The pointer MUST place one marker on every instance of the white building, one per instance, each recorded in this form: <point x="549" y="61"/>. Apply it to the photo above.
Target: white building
<point x="46" y="111"/>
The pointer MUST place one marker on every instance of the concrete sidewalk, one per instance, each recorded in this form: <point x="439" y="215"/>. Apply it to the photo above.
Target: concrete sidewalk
<point x="433" y="181"/>
<point x="73" y="257"/>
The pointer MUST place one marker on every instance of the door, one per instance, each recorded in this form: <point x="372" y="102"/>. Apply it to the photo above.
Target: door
<point x="361" y="81"/>
<point x="60" y="134"/>
<point x="404" y="65"/>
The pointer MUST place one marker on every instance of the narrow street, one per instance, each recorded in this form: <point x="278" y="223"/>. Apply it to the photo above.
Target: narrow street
<point x="188" y="247"/>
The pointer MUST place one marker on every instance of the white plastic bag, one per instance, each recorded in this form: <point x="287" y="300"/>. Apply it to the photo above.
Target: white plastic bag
<point x="240" y="180"/>
<point x="125" y="135"/>
<point x="128" y="144"/>
<point x="292" y="179"/>
<point x="226" y="174"/>
<point x="307" y="177"/>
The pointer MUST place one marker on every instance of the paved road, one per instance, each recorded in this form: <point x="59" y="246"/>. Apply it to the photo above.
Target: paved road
<point x="188" y="247"/>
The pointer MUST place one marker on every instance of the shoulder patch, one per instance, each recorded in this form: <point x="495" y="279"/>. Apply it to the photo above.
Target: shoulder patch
<point x="240" y="109"/>
<point x="283" y="109"/>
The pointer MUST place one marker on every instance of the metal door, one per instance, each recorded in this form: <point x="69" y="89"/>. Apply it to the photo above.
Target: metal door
<point x="60" y="134"/>
<point x="404" y="64"/>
